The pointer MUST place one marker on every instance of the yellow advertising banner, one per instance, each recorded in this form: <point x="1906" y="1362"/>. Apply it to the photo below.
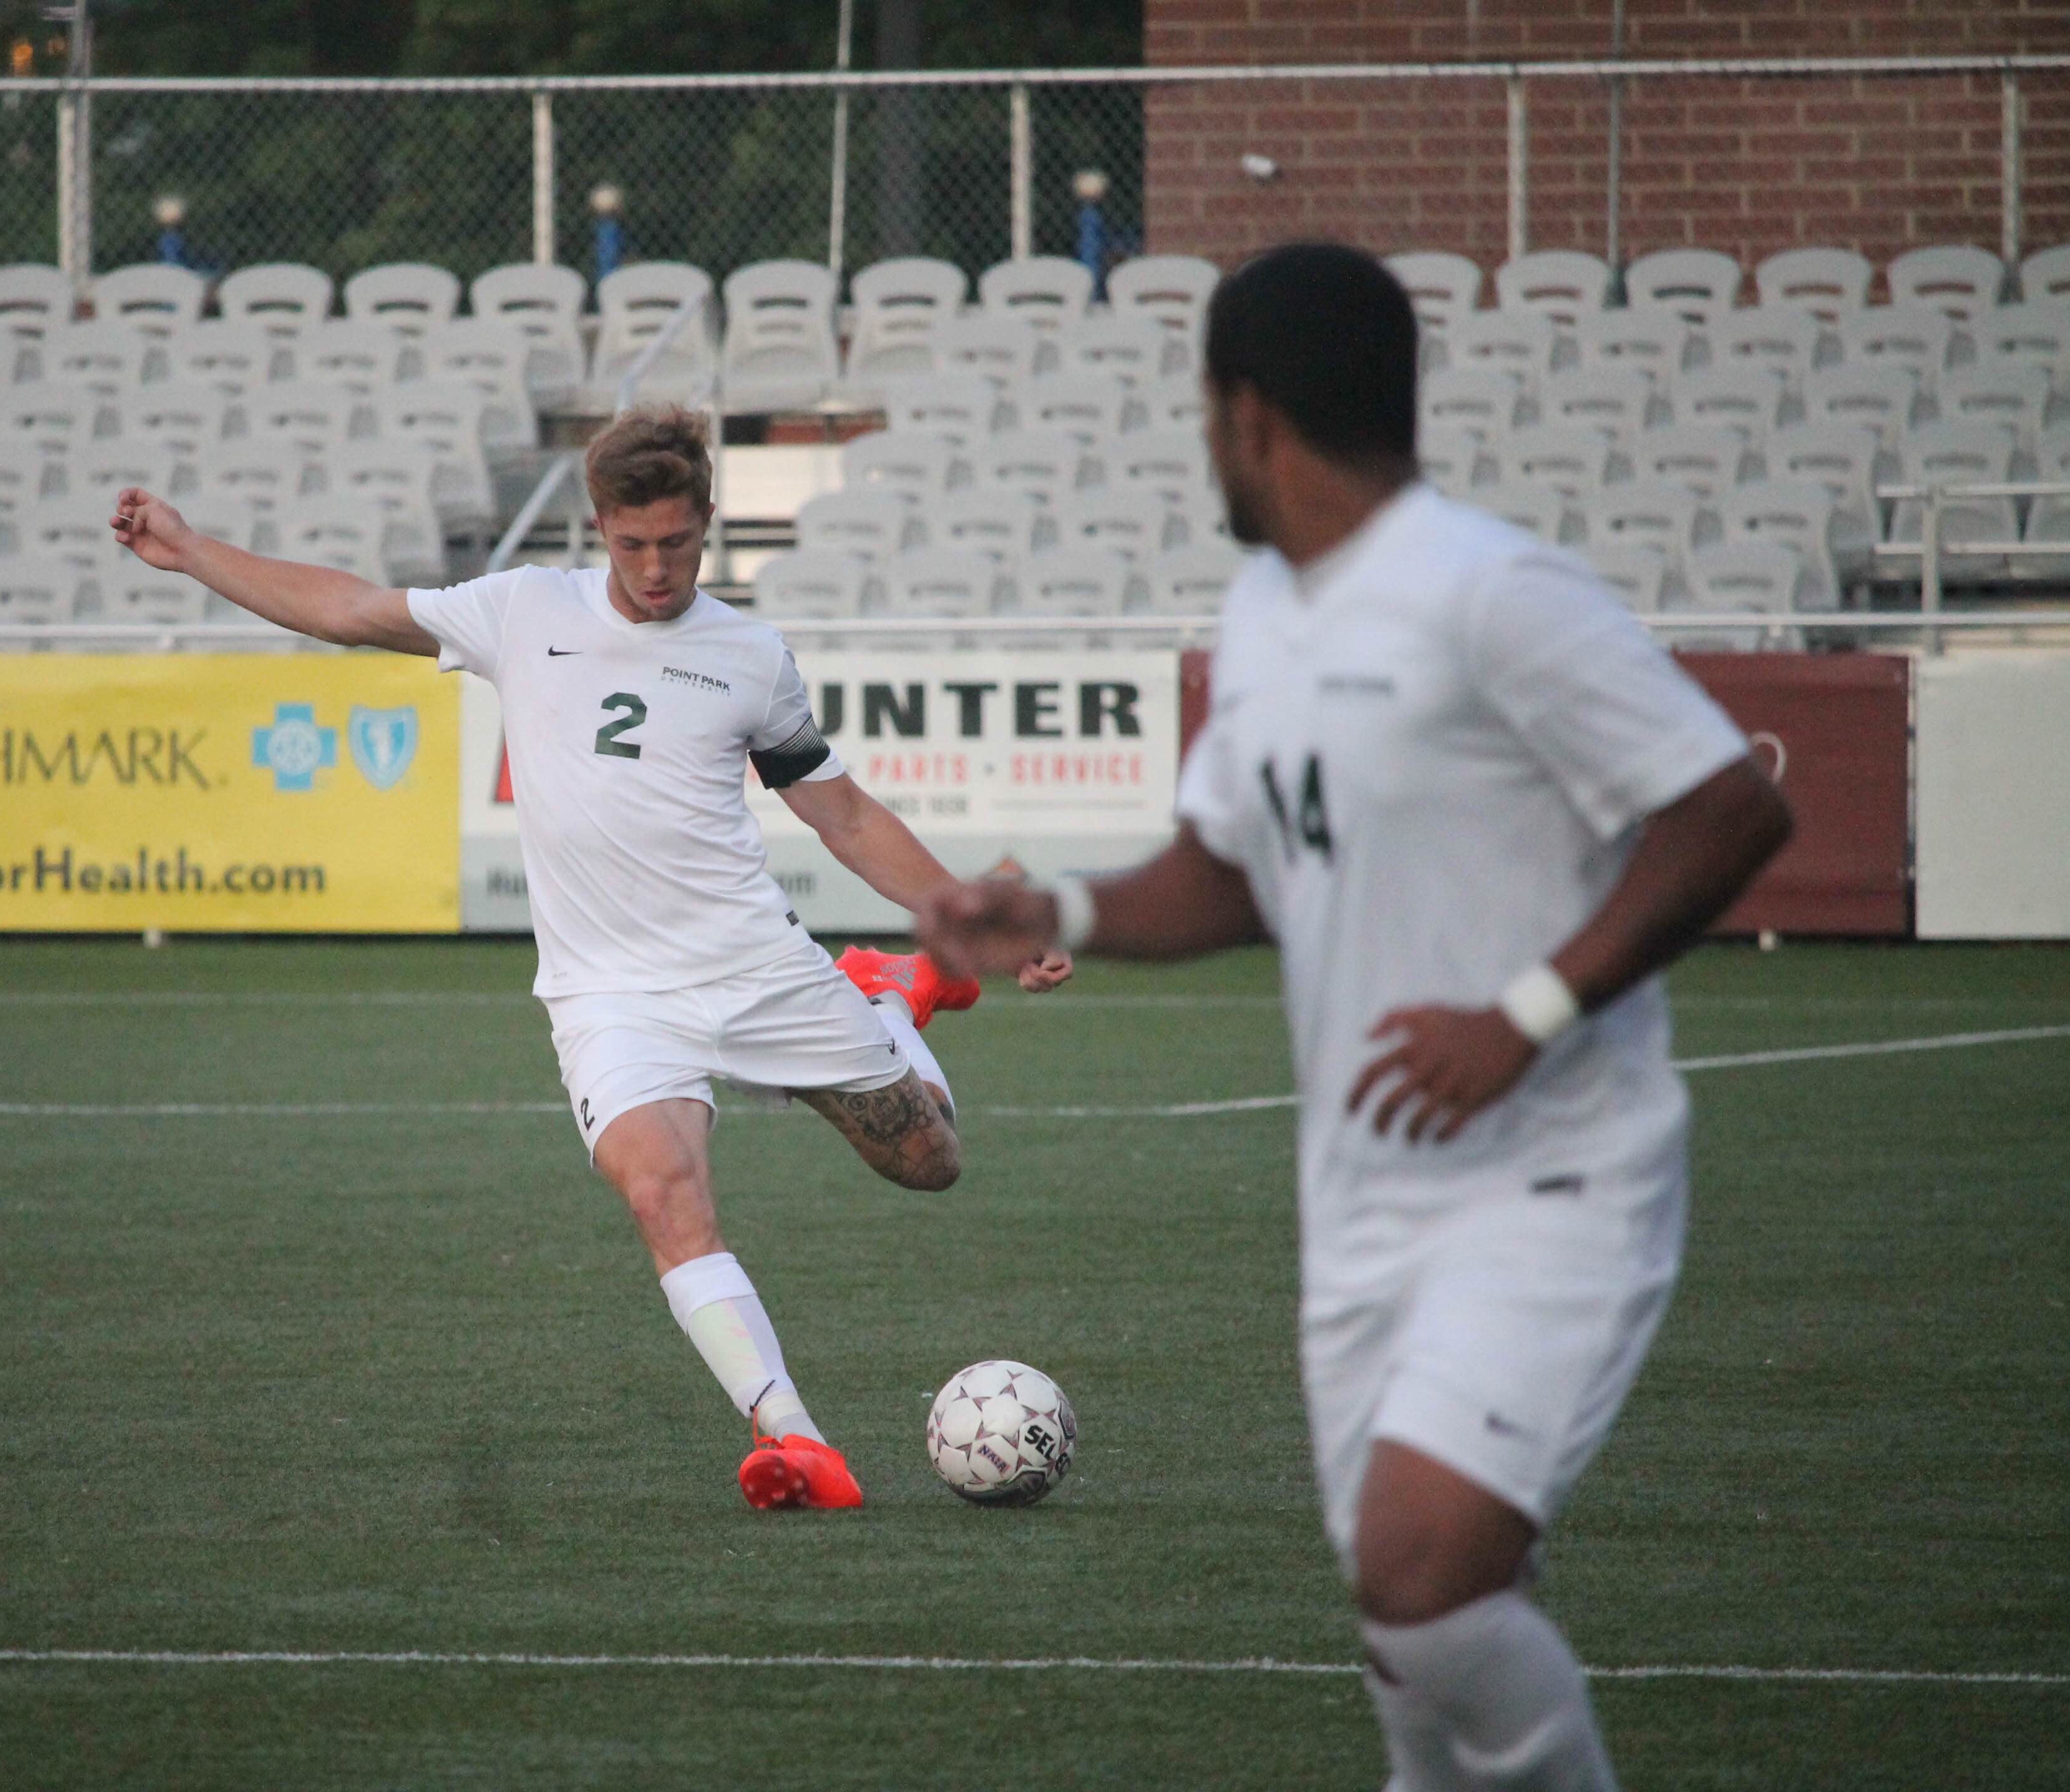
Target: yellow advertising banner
<point x="230" y="792"/>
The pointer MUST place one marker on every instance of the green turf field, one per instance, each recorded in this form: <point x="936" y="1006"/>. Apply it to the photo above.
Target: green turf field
<point x="400" y="1381"/>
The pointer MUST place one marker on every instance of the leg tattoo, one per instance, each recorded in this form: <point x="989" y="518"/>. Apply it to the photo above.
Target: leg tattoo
<point x="899" y="1130"/>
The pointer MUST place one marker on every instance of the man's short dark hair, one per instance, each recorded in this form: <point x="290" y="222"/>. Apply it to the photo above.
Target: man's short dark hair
<point x="647" y="455"/>
<point x="1327" y="336"/>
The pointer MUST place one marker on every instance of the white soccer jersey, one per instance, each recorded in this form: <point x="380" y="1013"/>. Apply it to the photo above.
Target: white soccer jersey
<point x="629" y="744"/>
<point x="1431" y="768"/>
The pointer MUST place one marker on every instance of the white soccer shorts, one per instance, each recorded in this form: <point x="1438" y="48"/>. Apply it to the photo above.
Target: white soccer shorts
<point x="1501" y="1339"/>
<point x="796" y="1023"/>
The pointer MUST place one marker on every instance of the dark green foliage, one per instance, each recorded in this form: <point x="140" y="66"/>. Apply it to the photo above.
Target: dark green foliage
<point x="403" y="1381"/>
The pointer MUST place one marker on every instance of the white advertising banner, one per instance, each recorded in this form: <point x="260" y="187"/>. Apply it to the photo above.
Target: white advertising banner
<point x="1039" y="762"/>
<point x="1992" y="816"/>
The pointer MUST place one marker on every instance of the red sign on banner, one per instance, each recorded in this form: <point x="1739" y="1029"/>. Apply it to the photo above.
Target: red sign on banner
<point x="1834" y="731"/>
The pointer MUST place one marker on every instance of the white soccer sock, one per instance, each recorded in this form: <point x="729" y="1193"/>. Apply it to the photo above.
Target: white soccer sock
<point x="1419" y="1743"/>
<point x="899" y="1018"/>
<point x="1501" y="1677"/>
<point x="718" y="1309"/>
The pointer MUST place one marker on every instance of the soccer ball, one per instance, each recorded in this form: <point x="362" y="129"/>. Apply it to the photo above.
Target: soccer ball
<point x="1001" y="1434"/>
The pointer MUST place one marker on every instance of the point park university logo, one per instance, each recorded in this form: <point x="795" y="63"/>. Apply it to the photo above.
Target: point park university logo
<point x="294" y="748"/>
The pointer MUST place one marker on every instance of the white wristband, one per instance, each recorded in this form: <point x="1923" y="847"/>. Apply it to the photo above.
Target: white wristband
<point x="1540" y="1005"/>
<point x="1075" y="914"/>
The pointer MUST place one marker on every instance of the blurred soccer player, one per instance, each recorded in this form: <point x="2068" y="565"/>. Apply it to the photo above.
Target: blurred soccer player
<point x="633" y="704"/>
<point x="1480" y="810"/>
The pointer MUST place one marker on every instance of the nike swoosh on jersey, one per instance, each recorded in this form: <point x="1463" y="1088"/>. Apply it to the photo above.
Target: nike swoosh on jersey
<point x="562" y="652"/>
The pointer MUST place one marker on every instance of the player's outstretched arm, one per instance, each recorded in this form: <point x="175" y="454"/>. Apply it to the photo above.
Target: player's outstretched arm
<point x="1181" y="903"/>
<point x="317" y="601"/>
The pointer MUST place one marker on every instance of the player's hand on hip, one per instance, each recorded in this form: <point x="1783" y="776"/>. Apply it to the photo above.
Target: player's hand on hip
<point x="151" y="529"/>
<point x="1440" y="1067"/>
<point x="1039" y="976"/>
<point x="990" y="925"/>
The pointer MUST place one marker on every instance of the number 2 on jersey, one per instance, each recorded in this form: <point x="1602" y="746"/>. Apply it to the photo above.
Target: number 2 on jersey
<point x="634" y="713"/>
<point x="1310" y="825"/>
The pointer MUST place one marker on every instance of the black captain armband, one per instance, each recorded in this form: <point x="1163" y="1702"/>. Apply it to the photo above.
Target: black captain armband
<point x="805" y="751"/>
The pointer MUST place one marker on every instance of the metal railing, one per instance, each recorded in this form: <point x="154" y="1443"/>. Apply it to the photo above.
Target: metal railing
<point x="849" y="166"/>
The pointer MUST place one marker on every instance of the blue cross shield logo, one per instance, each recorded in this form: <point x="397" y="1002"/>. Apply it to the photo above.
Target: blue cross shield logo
<point x="294" y="749"/>
<point x="383" y="742"/>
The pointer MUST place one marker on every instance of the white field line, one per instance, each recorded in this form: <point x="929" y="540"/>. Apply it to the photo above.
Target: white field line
<point x="1169" y="1110"/>
<point x="1039" y="1664"/>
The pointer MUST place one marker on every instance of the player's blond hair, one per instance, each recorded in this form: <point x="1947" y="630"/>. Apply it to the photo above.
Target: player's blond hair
<point x="654" y="452"/>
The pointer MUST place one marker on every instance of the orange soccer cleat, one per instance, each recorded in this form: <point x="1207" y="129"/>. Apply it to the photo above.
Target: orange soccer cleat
<point x="797" y="1471"/>
<point x="912" y="975"/>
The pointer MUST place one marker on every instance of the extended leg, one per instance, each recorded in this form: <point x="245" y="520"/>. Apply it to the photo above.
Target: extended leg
<point x="1478" y="1692"/>
<point x="899" y="1131"/>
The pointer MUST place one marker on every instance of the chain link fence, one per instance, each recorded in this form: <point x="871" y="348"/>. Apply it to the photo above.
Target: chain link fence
<point x="721" y="171"/>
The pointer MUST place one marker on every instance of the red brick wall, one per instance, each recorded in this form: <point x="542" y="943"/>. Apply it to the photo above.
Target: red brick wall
<point x="1750" y="167"/>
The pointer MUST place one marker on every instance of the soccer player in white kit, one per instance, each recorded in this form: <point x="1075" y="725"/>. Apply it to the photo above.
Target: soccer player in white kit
<point x="633" y="704"/>
<point x="1479" y="811"/>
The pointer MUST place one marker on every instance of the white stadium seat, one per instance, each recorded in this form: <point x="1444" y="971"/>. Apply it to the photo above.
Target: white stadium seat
<point x="918" y="467"/>
<point x="1454" y="457"/>
<point x="1484" y="400"/>
<point x="1657" y="514"/>
<point x="444" y="418"/>
<point x="1619" y="403"/>
<point x="1173" y="290"/>
<point x="1545" y="510"/>
<point x="495" y="358"/>
<point x="635" y="304"/>
<point x="1519" y="343"/>
<point x="1914" y="336"/>
<point x="545" y="300"/>
<point x="1998" y="391"/>
<point x="74" y="528"/>
<point x="943" y="582"/>
<point x="870" y="524"/>
<point x="53" y="414"/>
<point x="267" y="473"/>
<point x="2046" y="274"/>
<point x="1172" y="462"/>
<point x="1748" y="397"/>
<point x="1785" y="338"/>
<point x="110" y="356"/>
<point x="282" y="298"/>
<point x="2035" y="334"/>
<point x="1191" y="581"/>
<point x="348" y="534"/>
<point x="397" y="477"/>
<point x="1652" y="340"/>
<point x="1562" y="284"/>
<point x="1960" y="453"/>
<point x="1636" y="570"/>
<point x="1443" y="288"/>
<point x="963" y="409"/>
<point x="364" y="356"/>
<point x="1956" y="279"/>
<point x="1883" y="396"/>
<point x="1749" y="578"/>
<point x="41" y="588"/>
<point x="2048" y="519"/>
<point x="411" y="297"/>
<point x="1797" y="513"/>
<point x="1137" y="526"/>
<point x="1703" y="456"/>
<point x="810" y="585"/>
<point x="1826" y="282"/>
<point x="35" y="299"/>
<point x="1572" y="458"/>
<point x="27" y="476"/>
<point x="898" y="303"/>
<point x="1089" y="407"/>
<point x="233" y="356"/>
<point x="1843" y="458"/>
<point x="155" y="296"/>
<point x="1172" y="404"/>
<point x="1047" y="291"/>
<point x="1041" y="465"/>
<point x="779" y="352"/>
<point x="1001" y="524"/>
<point x="1072" y="581"/>
<point x="1698" y="285"/>
<point x="104" y="465"/>
<point x="1005" y="350"/>
<point x="133" y="592"/>
<point x="314" y="417"/>
<point x="1136" y="349"/>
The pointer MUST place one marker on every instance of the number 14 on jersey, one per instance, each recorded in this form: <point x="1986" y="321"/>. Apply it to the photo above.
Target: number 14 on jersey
<point x="1308" y="824"/>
